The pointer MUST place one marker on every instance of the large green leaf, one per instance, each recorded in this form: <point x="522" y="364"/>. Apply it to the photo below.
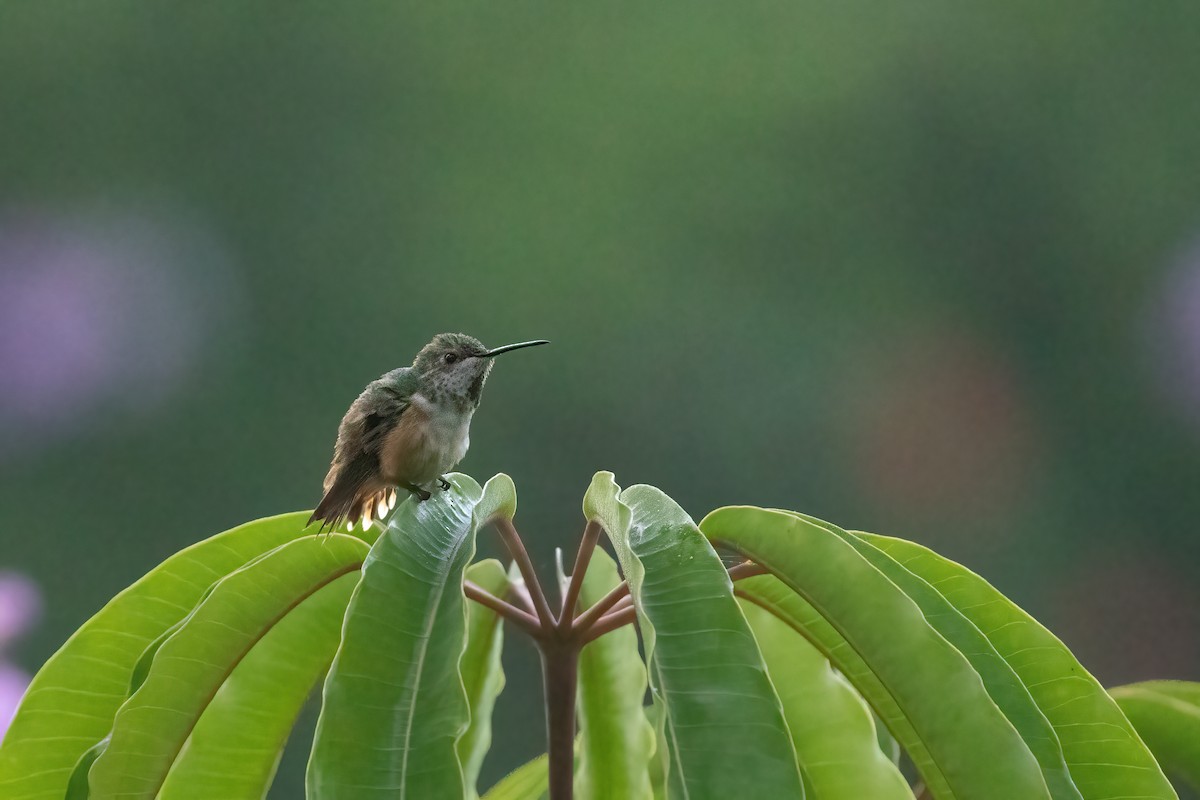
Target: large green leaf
<point x="482" y="674"/>
<point x="1167" y="716"/>
<point x="529" y="781"/>
<point x="235" y="747"/>
<point x="773" y="595"/>
<point x="72" y="700"/>
<point x="615" y="740"/>
<point x="832" y="728"/>
<point x="722" y="719"/>
<point x="1003" y="684"/>
<point x="969" y="750"/>
<point x="189" y="668"/>
<point x="1106" y="759"/>
<point x="394" y="703"/>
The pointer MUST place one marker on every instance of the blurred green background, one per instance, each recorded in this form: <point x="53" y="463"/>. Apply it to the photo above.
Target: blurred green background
<point x="926" y="269"/>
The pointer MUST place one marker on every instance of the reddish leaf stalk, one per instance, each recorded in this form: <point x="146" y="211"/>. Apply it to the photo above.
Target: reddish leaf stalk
<point x="561" y="637"/>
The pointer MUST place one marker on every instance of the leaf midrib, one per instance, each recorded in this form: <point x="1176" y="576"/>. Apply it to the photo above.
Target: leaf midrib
<point x="426" y="638"/>
<point x="761" y="603"/>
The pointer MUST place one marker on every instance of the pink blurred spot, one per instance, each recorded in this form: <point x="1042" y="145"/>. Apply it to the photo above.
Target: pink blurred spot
<point x="937" y="426"/>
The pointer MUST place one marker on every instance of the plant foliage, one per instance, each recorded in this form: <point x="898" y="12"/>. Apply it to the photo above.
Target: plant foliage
<point x="767" y="681"/>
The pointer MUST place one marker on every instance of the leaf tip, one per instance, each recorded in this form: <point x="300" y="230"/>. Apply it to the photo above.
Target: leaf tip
<point x="499" y="500"/>
<point x="602" y="503"/>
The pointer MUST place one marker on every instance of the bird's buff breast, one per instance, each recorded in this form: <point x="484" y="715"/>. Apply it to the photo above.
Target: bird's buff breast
<point x="429" y="440"/>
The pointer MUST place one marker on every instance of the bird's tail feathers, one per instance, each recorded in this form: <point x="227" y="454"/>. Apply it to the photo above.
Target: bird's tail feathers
<point x="353" y="496"/>
<point x="342" y="499"/>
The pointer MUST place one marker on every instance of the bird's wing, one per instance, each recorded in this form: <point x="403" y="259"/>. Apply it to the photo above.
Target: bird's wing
<point x="351" y="482"/>
<point x="376" y="411"/>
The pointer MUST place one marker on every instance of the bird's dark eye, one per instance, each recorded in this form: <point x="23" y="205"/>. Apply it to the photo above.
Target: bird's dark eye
<point x="450" y="358"/>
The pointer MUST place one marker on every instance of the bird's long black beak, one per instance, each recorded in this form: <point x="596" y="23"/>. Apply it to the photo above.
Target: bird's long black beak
<point x="495" y="351"/>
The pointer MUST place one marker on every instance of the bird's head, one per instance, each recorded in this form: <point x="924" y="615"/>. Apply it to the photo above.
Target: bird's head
<point x="455" y="365"/>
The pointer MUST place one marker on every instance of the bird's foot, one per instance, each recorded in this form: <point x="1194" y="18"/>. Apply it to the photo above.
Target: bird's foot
<point x="421" y="494"/>
<point x="445" y="484"/>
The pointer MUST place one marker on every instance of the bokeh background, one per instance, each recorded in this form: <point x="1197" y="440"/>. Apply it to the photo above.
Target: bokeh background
<point x="927" y="269"/>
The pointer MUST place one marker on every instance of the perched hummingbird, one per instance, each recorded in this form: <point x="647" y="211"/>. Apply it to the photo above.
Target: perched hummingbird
<point x="407" y="429"/>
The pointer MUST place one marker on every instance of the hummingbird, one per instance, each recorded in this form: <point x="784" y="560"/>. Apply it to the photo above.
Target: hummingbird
<point x="407" y="429"/>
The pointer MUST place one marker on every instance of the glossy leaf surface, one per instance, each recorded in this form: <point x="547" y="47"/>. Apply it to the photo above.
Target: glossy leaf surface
<point x="1003" y="684"/>
<point x="394" y="703"/>
<point x="722" y="719"/>
<point x="973" y="750"/>
<point x="1106" y="759"/>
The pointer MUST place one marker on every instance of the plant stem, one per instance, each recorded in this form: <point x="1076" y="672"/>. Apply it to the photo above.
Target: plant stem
<point x="623" y="603"/>
<point x="585" y="620"/>
<point x="610" y="622"/>
<point x="560" y="661"/>
<point x="591" y="534"/>
<point x="559" y="640"/>
<point x="516" y="548"/>
<point x="747" y="569"/>
<point x="524" y="620"/>
<point x="522" y="599"/>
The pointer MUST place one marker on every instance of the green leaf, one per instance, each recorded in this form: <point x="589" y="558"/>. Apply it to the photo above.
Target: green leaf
<point x="615" y="740"/>
<point x="887" y="743"/>
<point x="773" y="595"/>
<point x="189" y="668"/>
<point x="394" y="703"/>
<point x="602" y="504"/>
<point x="1105" y="757"/>
<point x="966" y="749"/>
<point x="1167" y="716"/>
<point x="77" y="786"/>
<point x="235" y="747"/>
<point x="72" y="700"/>
<point x="658" y="766"/>
<point x="499" y="500"/>
<point x="482" y="674"/>
<point x="1003" y="684"/>
<point x="723" y="721"/>
<point x="831" y="726"/>
<point x="529" y="781"/>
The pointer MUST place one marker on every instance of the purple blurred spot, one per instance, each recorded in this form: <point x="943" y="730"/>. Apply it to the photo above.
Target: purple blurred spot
<point x="54" y="336"/>
<point x="13" y="683"/>
<point x="101" y="311"/>
<point x="20" y="606"/>
<point x="1175" y="333"/>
